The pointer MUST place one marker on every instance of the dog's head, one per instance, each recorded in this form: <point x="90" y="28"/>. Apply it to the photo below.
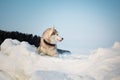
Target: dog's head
<point x="51" y="35"/>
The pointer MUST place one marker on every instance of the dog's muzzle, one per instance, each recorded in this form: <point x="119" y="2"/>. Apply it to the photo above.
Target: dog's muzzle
<point x="61" y="39"/>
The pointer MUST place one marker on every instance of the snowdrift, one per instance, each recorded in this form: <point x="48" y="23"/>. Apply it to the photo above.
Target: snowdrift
<point x="20" y="61"/>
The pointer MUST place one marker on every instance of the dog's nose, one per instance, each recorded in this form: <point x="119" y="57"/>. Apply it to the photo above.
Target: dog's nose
<point x="62" y="38"/>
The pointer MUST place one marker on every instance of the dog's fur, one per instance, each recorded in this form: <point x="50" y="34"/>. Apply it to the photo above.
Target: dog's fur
<point x="48" y="42"/>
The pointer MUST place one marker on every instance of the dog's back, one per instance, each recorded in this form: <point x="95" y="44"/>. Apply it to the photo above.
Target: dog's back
<point x="33" y="40"/>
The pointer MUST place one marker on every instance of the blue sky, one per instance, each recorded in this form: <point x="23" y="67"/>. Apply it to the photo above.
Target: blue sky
<point x="84" y="24"/>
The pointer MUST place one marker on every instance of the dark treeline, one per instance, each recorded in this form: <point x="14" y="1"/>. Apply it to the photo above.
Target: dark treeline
<point x="31" y="39"/>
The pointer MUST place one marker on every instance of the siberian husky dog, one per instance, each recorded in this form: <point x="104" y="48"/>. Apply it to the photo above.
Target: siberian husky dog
<point x="49" y="39"/>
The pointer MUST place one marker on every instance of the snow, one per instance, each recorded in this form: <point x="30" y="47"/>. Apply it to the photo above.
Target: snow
<point x="20" y="61"/>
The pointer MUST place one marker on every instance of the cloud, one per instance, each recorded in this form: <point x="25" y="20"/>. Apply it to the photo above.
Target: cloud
<point x="116" y="45"/>
<point x="19" y="60"/>
<point x="105" y="62"/>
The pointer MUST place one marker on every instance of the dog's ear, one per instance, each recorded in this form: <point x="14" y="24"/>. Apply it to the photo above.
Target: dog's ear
<point x="53" y="27"/>
<point x="52" y="30"/>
